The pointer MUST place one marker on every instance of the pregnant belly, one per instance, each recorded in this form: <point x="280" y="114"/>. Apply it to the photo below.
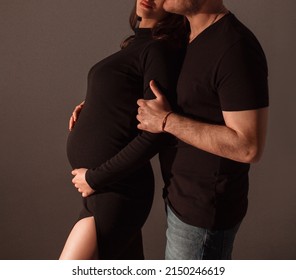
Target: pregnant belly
<point x="87" y="149"/>
<point x="98" y="135"/>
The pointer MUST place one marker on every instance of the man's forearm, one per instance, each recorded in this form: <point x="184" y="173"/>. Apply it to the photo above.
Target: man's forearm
<point x="216" y="139"/>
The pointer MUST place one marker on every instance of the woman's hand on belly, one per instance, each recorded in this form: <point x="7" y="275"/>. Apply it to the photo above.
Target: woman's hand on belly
<point x="80" y="183"/>
<point x="75" y="115"/>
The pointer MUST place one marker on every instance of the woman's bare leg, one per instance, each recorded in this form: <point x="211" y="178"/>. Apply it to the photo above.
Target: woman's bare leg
<point x="82" y="241"/>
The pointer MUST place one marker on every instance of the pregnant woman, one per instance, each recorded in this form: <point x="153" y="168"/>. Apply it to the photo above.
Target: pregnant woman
<point x="109" y="156"/>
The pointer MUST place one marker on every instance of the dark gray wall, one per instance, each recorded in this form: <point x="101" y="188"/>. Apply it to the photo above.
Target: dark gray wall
<point x="47" y="48"/>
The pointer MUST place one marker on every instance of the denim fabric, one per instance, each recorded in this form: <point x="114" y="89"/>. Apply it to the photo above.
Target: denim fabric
<point x="186" y="242"/>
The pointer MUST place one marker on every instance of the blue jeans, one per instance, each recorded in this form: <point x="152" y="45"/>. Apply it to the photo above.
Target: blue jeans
<point x="186" y="242"/>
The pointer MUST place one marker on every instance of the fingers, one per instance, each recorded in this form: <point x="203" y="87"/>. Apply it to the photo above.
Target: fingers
<point x="75" y="115"/>
<point x="74" y="172"/>
<point x="140" y="126"/>
<point x="158" y="94"/>
<point x="83" y="194"/>
<point x="139" y="116"/>
<point x="155" y="90"/>
<point x="76" y="112"/>
<point x="141" y="102"/>
<point x="71" y="123"/>
<point x="79" y="185"/>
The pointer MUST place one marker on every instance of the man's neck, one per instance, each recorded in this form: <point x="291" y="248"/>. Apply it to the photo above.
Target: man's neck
<point x="205" y="18"/>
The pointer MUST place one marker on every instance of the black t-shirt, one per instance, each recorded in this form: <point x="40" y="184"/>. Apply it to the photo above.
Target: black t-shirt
<point x="105" y="138"/>
<point x="224" y="70"/>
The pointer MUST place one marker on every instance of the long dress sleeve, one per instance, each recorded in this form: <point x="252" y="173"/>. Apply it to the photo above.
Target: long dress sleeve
<point x="155" y="63"/>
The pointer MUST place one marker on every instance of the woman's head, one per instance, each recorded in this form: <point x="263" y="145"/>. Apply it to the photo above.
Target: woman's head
<point x="150" y="12"/>
<point x="164" y="25"/>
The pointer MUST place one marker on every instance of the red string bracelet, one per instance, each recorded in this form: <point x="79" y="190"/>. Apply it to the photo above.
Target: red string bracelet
<point x="165" y="120"/>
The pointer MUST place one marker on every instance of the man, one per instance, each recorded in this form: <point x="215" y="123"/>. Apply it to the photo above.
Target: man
<point x="220" y="129"/>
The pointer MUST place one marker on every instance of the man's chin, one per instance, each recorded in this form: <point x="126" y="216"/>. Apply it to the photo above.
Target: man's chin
<point x="170" y="8"/>
<point x="167" y="7"/>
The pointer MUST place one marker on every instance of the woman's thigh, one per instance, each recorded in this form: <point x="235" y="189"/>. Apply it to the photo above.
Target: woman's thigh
<point x="82" y="241"/>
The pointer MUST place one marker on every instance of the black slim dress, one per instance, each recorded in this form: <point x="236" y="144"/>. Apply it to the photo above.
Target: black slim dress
<point x="106" y="141"/>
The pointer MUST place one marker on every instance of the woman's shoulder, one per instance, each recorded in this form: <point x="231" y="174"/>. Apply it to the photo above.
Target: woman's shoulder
<point x="165" y="48"/>
<point x="157" y="47"/>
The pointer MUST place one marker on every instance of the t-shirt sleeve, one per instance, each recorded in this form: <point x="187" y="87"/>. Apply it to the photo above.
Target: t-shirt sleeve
<point x="242" y="78"/>
<point x="146" y="145"/>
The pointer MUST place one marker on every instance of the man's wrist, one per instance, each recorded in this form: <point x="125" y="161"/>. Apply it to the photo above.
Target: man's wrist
<point x="164" y="122"/>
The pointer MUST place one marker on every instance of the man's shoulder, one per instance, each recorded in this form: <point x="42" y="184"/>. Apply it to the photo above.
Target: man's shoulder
<point x="235" y="31"/>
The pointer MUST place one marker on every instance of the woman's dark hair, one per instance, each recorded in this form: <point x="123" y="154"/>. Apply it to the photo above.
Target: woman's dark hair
<point x="173" y="27"/>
